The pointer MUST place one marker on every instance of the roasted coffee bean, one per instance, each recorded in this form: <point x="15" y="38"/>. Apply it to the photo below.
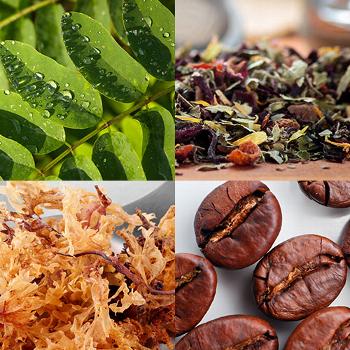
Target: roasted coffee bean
<point x="299" y="276"/>
<point x="195" y="290"/>
<point x="335" y="194"/>
<point x="237" y="223"/>
<point x="326" y="329"/>
<point x="345" y="242"/>
<point x="238" y="332"/>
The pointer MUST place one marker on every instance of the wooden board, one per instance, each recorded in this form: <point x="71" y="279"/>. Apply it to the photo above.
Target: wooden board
<point x="316" y="170"/>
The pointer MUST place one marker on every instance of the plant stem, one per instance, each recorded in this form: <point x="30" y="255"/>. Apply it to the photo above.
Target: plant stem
<point x="24" y="12"/>
<point x="93" y="133"/>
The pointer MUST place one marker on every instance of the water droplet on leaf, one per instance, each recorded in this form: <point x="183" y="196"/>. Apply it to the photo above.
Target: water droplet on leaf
<point x="166" y="35"/>
<point x="149" y="21"/>
<point x="46" y="114"/>
<point x="7" y="92"/>
<point x="39" y="76"/>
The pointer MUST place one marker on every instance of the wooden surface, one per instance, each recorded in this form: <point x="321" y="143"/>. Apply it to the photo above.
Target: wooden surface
<point x="316" y="170"/>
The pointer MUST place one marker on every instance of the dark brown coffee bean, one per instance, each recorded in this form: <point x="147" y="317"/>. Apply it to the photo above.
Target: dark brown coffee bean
<point x="195" y="290"/>
<point x="299" y="276"/>
<point x="326" y="329"/>
<point x="237" y="223"/>
<point x="335" y="194"/>
<point x="345" y="242"/>
<point x="238" y="332"/>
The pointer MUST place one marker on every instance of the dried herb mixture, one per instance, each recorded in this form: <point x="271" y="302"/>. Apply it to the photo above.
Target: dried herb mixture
<point x="62" y="287"/>
<point x="262" y="104"/>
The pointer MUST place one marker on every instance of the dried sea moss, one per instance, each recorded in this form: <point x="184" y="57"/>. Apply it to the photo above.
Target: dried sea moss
<point x="293" y="108"/>
<point x="62" y="287"/>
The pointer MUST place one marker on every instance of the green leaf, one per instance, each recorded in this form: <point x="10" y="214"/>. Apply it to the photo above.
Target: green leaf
<point x="12" y="3"/>
<point x="116" y="159"/>
<point x="59" y="93"/>
<point x="150" y="29"/>
<point x="49" y="34"/>
<point x="109" y="68"/>
<point x="158" y="158"/>
<point x="116" y="10"/>
<point x="16" y="162"/>
<point x="4" y="83"/>
<point x="22" y="123"/>
<point x="23" y="30"/>
<point x="97" y="9"/>
<point x="79" y="168"/>
<point x="133" y="130"/>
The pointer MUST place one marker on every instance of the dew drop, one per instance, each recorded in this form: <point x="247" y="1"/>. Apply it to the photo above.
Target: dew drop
<point x="30" y="114"/>
<point x="52" y="86"/>
<point x="68" y="95"/>
<point x="39" y="76"/>
<point x="85" y="104"/>
<point x="67" y="15"/>
<point x="61" y="116"/>
<point x="7" y="92"/>
<point x="88" y="60"/>
<point x="85" y="39"/>
<point x="46" y="114"/>
<point x="97" y="51"/>
<point x="166" y="35"/>
<point x="76" y="27"/>
<point x="66" y="85"/>
<point x="161" y="29"/>
<point x="149" y="21"/>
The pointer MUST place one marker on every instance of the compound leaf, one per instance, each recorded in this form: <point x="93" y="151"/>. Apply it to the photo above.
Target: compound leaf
<point x="79" y="168"/>
<point x="22" y="123"/>
<point x="150" y="28"/>
<point x="97" y="9"/>
<point x="16" y="162"/>
<point x="158" y="158"/>
<point x="49" y="34"/>
<point x="59" y="93"/>
<point x="116" y="159"/>
<point x="103" y="62"/>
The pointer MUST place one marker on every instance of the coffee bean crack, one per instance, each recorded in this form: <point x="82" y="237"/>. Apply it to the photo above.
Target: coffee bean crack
<point x="235" y="218"/>
<point x="298" y="273"/>
<point x="253" y="343"/>
<point x="187" y="278"/>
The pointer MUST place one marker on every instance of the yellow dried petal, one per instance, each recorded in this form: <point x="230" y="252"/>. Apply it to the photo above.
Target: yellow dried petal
<point x="256" y="137"/>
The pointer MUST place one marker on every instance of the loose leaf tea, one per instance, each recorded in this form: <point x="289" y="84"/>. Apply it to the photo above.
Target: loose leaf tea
<point x="62" y="286"/>
<point x="262" y="103"/>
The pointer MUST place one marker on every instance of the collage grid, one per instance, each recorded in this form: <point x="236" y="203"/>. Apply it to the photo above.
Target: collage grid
<point x="113" y="113"/>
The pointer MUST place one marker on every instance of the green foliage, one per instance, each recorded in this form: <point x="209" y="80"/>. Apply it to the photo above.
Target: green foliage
<point x="55" y="67"/>
<point x="105" y="64"/>
<point x="48" y="26"/>
<point x="116" y="158"/>
<point x="151" y="36"/>
<point x="97" y="9"/>
<point x="79" y="168"/>
<point x="16" y="161"/>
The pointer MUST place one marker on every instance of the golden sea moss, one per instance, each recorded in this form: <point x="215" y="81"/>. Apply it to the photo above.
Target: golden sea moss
<point x="54" y="296"/>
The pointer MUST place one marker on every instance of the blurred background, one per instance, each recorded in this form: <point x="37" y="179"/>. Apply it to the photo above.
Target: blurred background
<point x="300" y="23"/>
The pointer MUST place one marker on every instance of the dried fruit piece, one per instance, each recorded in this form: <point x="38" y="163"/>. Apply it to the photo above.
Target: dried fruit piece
<point x="247" y="154"/>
